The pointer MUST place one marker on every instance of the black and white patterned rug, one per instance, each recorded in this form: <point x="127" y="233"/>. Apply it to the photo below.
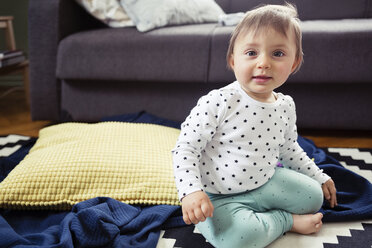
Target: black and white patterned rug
<point x="355" y="234"/>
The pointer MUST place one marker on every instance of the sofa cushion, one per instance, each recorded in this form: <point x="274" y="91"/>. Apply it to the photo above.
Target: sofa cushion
<point x="109" y="12"/>
<point x="335" y="48"/>
<point x="172" y="53"/>
<point x="148" y="15"/>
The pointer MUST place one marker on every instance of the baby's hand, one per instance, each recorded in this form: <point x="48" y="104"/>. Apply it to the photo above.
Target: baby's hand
<point x="196" y="207"/>
<point x="329" y="191"/>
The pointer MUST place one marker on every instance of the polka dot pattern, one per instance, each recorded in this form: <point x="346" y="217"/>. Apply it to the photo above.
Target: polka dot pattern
<point x="231" y="143"/>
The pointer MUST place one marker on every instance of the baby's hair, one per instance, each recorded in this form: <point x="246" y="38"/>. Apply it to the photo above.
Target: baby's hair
<point x="278" y="17"/>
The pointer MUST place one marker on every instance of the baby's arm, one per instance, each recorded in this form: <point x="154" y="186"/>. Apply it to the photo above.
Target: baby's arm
<point x="196" y="207"/>
<point x="196" y="132"/>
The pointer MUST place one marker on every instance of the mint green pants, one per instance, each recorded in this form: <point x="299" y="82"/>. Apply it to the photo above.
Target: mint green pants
<point x="258" y="217"/>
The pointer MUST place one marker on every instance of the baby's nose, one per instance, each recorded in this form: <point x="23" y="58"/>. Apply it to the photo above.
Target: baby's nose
<point x="263" y="62"/>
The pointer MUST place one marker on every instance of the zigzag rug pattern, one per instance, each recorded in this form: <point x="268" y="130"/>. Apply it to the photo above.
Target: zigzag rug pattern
<point x="355" y="234"/>
<point x="11" y="143"/>
<point x="358" y="238"/>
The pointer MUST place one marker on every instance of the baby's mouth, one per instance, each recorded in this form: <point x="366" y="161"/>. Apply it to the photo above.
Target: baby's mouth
<point x="261" y="78"/>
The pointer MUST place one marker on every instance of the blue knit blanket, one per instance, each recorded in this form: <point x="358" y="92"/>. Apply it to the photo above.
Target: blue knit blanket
<point x="104" y="222"/>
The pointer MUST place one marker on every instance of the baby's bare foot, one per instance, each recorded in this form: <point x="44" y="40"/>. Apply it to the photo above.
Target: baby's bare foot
<point x="307" y="224"/>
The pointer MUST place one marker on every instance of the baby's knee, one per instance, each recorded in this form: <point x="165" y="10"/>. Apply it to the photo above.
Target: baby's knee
<point x="315" y="195"/>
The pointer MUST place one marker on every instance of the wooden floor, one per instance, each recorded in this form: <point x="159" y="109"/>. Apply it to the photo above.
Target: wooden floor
<point x="15" y="118"/>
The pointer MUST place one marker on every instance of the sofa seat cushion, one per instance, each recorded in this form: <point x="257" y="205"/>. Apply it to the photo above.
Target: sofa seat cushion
<point x="177" y="53"/>
<point x="196" y="53"/>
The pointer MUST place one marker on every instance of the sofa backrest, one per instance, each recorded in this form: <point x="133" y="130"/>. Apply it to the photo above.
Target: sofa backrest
<point x="309" y="9"/>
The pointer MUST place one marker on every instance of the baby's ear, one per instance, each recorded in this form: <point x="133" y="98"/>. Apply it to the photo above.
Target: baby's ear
<point x="296" y="65"/>
<point x="231" y="62"/>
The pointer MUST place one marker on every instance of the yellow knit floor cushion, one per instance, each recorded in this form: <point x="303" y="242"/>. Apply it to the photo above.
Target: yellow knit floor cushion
<point x="73" y="162"/>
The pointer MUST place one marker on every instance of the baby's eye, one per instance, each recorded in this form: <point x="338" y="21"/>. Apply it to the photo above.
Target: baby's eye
<point x="278" y="54"/>
<point x="251" y="53"/>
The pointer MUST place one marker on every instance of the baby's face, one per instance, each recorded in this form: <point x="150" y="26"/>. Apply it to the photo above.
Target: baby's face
<point x="263" y="62"/>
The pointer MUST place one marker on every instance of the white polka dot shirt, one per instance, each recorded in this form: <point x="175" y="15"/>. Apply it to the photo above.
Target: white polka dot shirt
<point x="231" y="143"/>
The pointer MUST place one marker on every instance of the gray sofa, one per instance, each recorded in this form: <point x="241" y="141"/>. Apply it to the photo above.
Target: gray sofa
<point x="82" y="70"/>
